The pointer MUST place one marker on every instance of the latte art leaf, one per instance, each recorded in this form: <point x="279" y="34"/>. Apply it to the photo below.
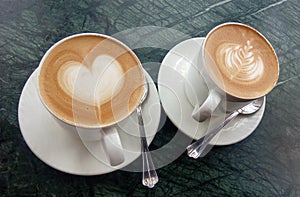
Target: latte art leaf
<point x="240" y="62"/>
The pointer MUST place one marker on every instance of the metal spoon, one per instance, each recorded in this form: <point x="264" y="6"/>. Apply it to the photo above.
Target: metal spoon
<point x="150" y="177"/>
<point x="200" y="149"/>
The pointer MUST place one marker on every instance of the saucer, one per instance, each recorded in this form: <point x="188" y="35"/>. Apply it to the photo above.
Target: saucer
<point x="171" y="87"/>
<point x="59" y="145"/>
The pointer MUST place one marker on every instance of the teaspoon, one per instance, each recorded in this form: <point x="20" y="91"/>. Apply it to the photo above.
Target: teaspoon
<point x="150" y="177"/>
<point x="198" y="148"/>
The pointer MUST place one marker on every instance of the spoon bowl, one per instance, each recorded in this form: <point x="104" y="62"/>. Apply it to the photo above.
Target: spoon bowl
<point x="145" y="92"/>
<point x="252" y="107"/>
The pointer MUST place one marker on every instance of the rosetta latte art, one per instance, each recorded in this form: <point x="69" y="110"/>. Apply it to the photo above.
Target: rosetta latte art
<point x="241" y="62"/>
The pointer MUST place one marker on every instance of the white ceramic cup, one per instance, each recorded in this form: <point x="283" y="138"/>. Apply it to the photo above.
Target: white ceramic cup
<point x="106" y="134"/>
<point x="204" y="93"/>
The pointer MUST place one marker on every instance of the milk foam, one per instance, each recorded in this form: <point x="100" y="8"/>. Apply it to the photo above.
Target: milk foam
<point x="241" y="63"/>
<point x="94" y="85"/>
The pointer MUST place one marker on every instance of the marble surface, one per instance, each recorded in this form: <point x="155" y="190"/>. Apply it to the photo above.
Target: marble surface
<point x="265" y="164"/>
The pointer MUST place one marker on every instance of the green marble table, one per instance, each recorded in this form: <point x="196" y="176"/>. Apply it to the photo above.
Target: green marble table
<point x="267" y="163"/>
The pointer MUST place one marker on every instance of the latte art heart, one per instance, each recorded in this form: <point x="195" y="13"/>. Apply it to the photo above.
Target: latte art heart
<point x="242" y="64"/>
<point x="94" y="85"/>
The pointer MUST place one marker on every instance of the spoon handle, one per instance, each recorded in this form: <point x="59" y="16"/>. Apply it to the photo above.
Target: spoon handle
<point x="198" y="148"/>
<point x="150" y="177"/>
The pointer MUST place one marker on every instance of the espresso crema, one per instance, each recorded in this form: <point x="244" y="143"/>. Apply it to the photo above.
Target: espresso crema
<point x="241" y="61"/>
<point x="90" y="80"/>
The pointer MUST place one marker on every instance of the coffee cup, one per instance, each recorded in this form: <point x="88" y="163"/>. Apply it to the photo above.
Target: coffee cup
<point x="235" y="65"/>
<point x="92" y="82"/>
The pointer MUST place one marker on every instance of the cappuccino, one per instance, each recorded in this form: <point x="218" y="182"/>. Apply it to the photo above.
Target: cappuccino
<point x="90" y="80"/>
<point x="240" y="61"/>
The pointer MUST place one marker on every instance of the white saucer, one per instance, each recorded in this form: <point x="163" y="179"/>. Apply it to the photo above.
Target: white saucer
<point x="171" y="86"/>
<point x="58" y="144"/>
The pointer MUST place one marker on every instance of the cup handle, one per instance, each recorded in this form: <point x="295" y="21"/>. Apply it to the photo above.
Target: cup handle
<point x="201" y="113"/>
<point x="112" y="145"/>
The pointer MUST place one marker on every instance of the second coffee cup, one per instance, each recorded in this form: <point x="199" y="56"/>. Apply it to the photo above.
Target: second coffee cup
<point x="236" y="64"/>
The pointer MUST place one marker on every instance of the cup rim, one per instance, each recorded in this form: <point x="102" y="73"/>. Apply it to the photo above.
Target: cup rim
<point x="265" y="39"/>
<point x="49" y="50"/>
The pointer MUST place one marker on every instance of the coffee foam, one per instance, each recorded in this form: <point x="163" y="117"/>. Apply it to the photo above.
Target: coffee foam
<point x="90" y="80"/>
<point x="96" y="85"/>
<point x="241" y="61"/>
